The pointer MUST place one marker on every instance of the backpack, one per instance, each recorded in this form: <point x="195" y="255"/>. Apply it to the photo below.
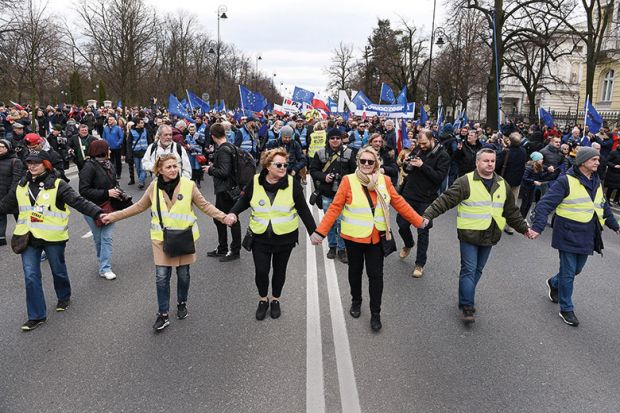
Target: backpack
<point x="244" y="166"/>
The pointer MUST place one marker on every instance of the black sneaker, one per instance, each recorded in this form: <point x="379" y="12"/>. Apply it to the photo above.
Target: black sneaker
<point x="375" y="321"/>
<point x="468" y="315"/>
<point x="131" y="182"/>
<point x="162" y="322"/>
<point x="569" y="318"/>
<point x="32" y="324"/>
<point x="216" y="253"/>
<point x="356" y="309"/>
<point x="261" y="311"/>
<point x="230" y="257"/>
<point x="331" y="254"/>
<point x="342" y="256"/>
<point x="62" y="305"/>
<point x="275" y="309"/>
<point x="552" y="292"/>
<point x="182" y="311"/>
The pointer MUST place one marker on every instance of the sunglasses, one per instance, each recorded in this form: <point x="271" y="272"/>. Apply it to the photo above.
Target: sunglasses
<point x="335" y="138"/>
<point x="367" y="162"/>
<point x="280" y="165"/>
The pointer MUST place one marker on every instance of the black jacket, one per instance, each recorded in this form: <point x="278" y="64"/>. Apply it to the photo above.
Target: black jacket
<point x="296" y="157"/>
<point x="66" y="196"/>
<point x="74" y="143"/>
<point x="95" y="182"/>
<point x="344" y="164"/>
<point x="515" y="159"/>
<point x="388" y="162"/>
<point x="422" y="184"/>
<point x="466" y="157"/>
<point x="222" y="169"/>
<point x="612" y="178"/>
<point x="268" y="237"/>
<point x="11" y="171"/>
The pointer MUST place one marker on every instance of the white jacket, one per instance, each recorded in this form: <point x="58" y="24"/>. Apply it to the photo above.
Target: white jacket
<point x="150" y="156"/>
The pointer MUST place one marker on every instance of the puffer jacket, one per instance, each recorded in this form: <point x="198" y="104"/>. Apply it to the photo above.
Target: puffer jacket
<point x="11" y="171"/>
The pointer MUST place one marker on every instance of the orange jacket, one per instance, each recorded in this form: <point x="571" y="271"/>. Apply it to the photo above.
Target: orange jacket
<point x="344" y="196"/>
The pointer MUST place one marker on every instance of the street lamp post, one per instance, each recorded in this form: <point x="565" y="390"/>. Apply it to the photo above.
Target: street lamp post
<point x="258" y="57"/>
<point x="221" y="14"/>
<point x="430" y="58"/>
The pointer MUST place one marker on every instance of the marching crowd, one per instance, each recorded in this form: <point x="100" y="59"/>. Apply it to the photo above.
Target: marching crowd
<point x="359" y="167"/>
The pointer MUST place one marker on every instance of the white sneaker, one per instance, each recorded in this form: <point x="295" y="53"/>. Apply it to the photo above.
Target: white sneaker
<point x="108" y="275"/>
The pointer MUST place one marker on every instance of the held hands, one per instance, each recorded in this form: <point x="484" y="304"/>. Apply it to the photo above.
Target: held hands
<point x="531" y="234"/>
<point x="316" y="239"/>
<point x="230" y="220"/>
<point x="537" y="183"/>
<point x="425" y="223"/>
<point x="114" y="193"/>
<point x="105" y="219"/>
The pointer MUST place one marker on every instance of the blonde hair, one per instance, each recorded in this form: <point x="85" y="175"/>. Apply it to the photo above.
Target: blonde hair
<point x="163" y="158"/>
<point x="369" y="149"/>
<point x="319" y="126"/>
<point x="267" y="157"/>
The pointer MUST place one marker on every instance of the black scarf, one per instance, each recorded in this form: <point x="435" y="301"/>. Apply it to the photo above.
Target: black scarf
<point x="168" y="187"/>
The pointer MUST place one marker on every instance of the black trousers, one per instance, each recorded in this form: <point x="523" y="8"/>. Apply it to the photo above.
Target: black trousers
<point x="372" y="254"/>
<point x="115" y="158"/>
<point x="264" y="257"/>
<point x="610" y="192"/>
<point x="404" y="229"/>
<point x="224" y="203"/>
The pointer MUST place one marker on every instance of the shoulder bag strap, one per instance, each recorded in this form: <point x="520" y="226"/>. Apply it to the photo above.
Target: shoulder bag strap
<point x="161" y="222"/>
<point x="328" y="164"/>
<point x="367" y="193"/>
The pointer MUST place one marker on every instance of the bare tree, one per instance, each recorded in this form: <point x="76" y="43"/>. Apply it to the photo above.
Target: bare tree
<point x="119" y="36"/>
<point x="341" y="68"/>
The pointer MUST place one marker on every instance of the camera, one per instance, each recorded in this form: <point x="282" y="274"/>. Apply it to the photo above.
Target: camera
<point x="124" y="196"/>
<point x="336" y="182"/>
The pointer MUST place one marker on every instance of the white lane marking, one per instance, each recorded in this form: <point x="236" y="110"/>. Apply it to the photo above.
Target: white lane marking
<point x="349" y="397"/>
<point x="315" y="386"/>
<point x="87" y="235"/>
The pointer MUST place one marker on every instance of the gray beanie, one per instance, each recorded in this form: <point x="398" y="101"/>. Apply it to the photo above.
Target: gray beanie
<point x="584" y="153"/>
<point x="286" y="131"/>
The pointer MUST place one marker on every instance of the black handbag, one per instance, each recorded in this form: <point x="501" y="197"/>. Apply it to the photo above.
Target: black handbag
<point x="177" y="242"/>
<point x="19" y="243"/>
<point x="388" y="246"/>
<point x="248" y="240"/>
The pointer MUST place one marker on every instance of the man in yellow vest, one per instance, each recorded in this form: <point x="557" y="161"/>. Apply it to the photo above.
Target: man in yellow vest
<point x="580" y="213"/>
<point x="484" y="204"/>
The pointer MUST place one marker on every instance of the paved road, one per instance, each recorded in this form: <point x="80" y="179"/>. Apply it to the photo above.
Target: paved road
<point x="101" y="355"/>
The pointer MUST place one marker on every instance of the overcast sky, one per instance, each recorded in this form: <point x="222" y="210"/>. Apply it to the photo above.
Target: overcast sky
<point x="296" y="38"/>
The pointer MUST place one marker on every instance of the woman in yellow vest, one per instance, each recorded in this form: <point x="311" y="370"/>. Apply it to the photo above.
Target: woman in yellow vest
<point x="43" y="221"/>
<point x="276" y="200"/>
<point x="363" y="198"/>
<point x="177" y="195"/>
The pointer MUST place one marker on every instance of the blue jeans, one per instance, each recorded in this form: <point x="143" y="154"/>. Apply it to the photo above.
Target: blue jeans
<point x="31" y="262"/>
<point x="570" y="265"/>
<point x="162" y="281"/>
<point x="103" y="244"/>
<point x="333" y="236"/>
<point x="137" y="162"/>
<point x="473" y="260"/>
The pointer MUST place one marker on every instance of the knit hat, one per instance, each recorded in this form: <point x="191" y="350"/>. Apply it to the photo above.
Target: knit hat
<point x="536" y="156"/>
<point x="584" y="153"/>
<point x="7" y="144"/>
<point x="98" y="149"/>
<point x="333" y="132"/>
<point x="286" y="131"/>
<point x="33" y="139"/>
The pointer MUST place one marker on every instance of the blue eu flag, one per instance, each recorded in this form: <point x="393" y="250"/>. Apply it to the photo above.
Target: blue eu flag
<point x="387" y="94"/>
<point x="302" y="95"/>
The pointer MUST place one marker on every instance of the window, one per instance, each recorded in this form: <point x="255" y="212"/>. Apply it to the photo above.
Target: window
<point x="608" y="86"/>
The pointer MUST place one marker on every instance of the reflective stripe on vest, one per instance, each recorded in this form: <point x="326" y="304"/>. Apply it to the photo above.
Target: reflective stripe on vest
<point x="43" y="219"/>
<point x="281" y="214"/>
<point x="247" y="143"/>
<point x="139" y="142"/>
<point x="179" y="217"/>
<point x="479" y="210"/>
<point x="578" y="206"/>
<point x="357" y="219"/>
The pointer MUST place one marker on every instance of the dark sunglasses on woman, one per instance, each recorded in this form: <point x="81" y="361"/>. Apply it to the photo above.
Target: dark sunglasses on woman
<point x="280" y="165"/>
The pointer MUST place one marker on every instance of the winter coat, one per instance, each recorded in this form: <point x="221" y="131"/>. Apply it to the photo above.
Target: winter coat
<point x="95" y="182"/>
<point x="114" y="136"/>
<point x="458" y="192"/>
<point x="517" y="157"/>
<point x="344" y="164"/>
<point x="422" y="184"/>
<point x="222" y="170"/>
<point x="296" y="157"/>
<point x="159" y="256"/>
<point x="11" y="171"/>
<point x="568" y="235"/>
<point x="612" y="179"/>
<point x="551" y="156"/>
<point x="390" y="139"/>
<point x="529" y="176"/>
<point x="466" y="157"/>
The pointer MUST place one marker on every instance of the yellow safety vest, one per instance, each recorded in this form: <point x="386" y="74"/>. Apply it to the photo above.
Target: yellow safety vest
<point x="479" y="210"/>
<point x="282" y="213"/>
<point x="180" y="216"/>
<point x="578" y="206"/>
<point x="357" y="218"/>
<point x="43" y="219"/>
<point x="317" y="141"/>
